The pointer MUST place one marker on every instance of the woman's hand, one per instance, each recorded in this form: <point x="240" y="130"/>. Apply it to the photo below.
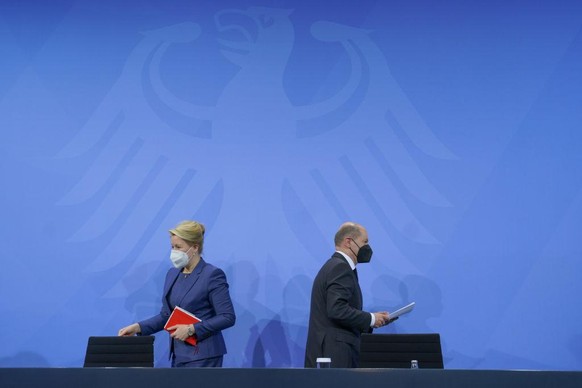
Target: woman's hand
<point x="130" y="330"/>
<point x="181" y="332"/>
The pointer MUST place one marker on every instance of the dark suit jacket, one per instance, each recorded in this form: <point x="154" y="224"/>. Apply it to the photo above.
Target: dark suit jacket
<point x="336" y="319"/>
<point x="208" y="298"/>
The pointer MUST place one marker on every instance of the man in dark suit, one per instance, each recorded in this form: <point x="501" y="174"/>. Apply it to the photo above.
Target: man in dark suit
<point x="336" y="319"/>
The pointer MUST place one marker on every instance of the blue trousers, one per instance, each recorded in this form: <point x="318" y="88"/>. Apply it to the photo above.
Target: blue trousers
<point x="214" y="362"/>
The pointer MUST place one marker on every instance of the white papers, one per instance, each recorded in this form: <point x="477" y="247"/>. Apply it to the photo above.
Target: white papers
<point x="403" y="310"/>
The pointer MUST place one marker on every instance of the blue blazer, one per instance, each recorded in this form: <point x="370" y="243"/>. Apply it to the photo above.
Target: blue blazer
<point x="208" y="298"/>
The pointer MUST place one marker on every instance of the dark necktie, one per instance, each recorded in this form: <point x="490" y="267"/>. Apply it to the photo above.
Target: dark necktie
<point x="358" y="290"/>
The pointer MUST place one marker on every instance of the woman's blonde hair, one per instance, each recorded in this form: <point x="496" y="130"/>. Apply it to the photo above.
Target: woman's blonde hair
<point x="190" y="231"/>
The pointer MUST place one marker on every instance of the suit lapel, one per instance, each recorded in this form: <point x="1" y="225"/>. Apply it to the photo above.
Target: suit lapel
<point x="358" y="294"/>
<point x="172" y="281"/>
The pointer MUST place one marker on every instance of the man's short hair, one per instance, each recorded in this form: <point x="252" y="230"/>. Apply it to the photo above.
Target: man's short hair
<point x="349" y="229"/>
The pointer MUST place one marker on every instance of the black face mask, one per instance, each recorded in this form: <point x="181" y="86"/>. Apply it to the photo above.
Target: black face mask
<point x="364" y="254"/>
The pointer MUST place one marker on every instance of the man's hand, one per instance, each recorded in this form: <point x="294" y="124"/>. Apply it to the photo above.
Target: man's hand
<point x="381" y="318"/>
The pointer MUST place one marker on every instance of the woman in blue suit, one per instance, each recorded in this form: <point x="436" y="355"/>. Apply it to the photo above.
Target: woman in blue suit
<point x="199" y="288"/>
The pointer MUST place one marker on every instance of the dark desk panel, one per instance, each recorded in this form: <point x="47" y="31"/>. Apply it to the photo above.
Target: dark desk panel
<point x="282" y="378"/>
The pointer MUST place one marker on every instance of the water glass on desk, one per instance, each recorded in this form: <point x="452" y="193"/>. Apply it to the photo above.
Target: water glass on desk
<point x="323" y="362"/>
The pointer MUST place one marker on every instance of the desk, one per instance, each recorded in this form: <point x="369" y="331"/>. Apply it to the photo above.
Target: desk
<point x="282" y="378"/>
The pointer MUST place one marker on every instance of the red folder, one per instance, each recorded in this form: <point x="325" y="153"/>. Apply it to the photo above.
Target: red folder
<point x="182" y="317"/>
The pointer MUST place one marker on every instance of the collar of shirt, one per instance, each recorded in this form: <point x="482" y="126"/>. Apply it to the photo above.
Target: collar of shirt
<point x="350" y="262"/>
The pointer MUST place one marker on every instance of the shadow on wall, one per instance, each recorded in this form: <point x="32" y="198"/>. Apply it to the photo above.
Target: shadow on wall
<point x="386" y="296"/>
<point x="24" y="359"/>
<point x="244" y="281"/>
<point x="429" y="305"/>
<point x="265" y="337"/>
<point x="279" y="342"/>
<point x="428" y="297"/>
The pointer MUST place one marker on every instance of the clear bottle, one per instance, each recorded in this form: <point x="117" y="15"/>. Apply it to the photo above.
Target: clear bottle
<point x="413" y="364"/>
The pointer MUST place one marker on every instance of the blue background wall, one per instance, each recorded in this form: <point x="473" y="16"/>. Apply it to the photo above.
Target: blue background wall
<point x="451" y="130"/>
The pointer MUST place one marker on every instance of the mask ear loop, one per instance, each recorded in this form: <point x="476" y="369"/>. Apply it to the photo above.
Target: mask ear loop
<point x="190" y="248"/>
<point x="189" y="258"/>
<point x="356" y="245"/>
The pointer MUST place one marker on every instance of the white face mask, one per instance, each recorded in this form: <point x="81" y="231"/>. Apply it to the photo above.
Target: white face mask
<point x="179" y="258"/>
